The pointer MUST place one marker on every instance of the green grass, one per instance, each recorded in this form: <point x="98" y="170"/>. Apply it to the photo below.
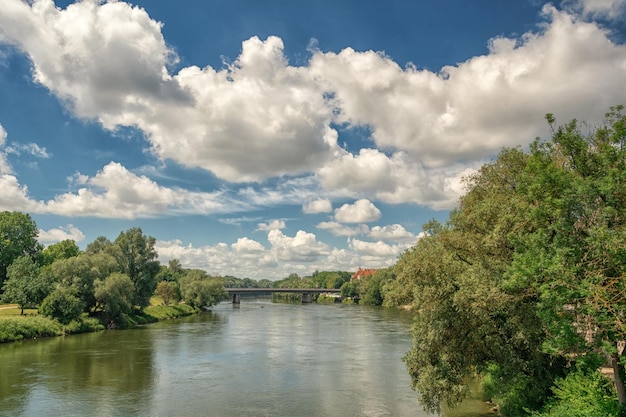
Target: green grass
<point x="163" y="312"/>
<point x="28" y="327"/>
<point x="12" y="310"/>
<point x="31" y="325"/>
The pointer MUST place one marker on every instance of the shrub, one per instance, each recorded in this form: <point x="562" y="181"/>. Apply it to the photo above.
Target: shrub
<point x="62" y="305"/>
<point x="582" y="394"/>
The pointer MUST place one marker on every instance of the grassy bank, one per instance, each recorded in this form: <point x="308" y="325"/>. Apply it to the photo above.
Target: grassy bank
<point x="31" y="325"/>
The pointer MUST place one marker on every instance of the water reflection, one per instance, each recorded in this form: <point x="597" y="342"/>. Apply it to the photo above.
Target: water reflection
<point x="261" y="359"/>
<point x="93" y="371"/>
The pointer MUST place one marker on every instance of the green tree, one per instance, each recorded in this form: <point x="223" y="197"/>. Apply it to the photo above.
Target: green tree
<point x="100" y="245"/>
<point x="18" y="237"/>
<point x="372" y="287"/>
<point x="115" y="297"/>
<point x="62" y="304"/>
<point x="137" y="259"/>
<point x="80" y="274"/>
<point x="527" y="278"/>
<point x="582" y="393"/>
<point x="349" y="290"/>
<point x="467" y="321"/>
<point x="23" y="285"/>
<point x="62" y="250"/>
<point x="573" y="260"/>
<point x="169" y="291"/>
<point x="199" y="290"/>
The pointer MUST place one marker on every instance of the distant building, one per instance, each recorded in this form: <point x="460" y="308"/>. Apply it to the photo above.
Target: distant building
<point x="362" y="273"/>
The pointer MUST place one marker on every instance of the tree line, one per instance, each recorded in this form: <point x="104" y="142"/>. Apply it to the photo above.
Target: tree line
<point x="109" y="280"/>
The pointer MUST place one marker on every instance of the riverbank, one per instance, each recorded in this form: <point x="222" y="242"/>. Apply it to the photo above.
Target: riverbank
<point x="15" y="327"/>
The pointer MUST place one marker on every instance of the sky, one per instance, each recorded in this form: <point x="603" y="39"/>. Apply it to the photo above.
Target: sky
<point x="264" y="138"/>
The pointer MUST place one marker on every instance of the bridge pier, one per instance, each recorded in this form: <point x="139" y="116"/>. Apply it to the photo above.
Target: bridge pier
<point x="236" y="299"/>
<point x="307" y="298"/>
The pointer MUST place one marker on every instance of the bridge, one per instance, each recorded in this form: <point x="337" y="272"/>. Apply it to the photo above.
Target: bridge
<point x="306" y="292"/>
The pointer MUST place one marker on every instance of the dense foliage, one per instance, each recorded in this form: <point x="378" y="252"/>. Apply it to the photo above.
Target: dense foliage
<point x="525" y="281"/>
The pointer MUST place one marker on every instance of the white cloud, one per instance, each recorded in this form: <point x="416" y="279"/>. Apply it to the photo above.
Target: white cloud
<point x="115" y="192"/>
<point x="393" y="232"/>
<point x="611" y="9"/>
<point x="320" y="205"/>
<point x="377" y="249"/>
<point x="245" y="247"/>
<point x="14" y="196"/>
<point x="272" y="225"/>
<point x="29" y="148"/>
<point x="339" y="229"/>
<point x="303" y="247"/>
<point x="5" y="167"/>
<point x="395" y="179"/>
<point x="362" y="211"/>
<point x="109" y="62"/>
<point x="60" y="233"/>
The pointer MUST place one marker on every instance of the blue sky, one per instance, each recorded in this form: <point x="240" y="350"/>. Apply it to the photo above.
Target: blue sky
<point x="263" y="138"/>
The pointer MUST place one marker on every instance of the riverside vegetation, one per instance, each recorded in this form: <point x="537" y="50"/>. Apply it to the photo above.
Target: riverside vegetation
<point x="523" y="288"/>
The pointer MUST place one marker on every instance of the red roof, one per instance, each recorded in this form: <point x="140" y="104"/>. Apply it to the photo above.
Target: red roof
<point x="362" y="273"/>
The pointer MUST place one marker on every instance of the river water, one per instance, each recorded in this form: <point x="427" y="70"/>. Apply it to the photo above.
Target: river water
<point x="261" y="359"/>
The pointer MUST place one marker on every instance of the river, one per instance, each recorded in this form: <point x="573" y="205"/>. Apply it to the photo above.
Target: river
<point x="261" y="359"/>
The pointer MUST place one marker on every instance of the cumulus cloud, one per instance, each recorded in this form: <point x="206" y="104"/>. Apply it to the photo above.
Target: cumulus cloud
<point x="115" y="192"/>
<point x="393" y="232"/>
<point x="362" y="211"/>
<point x="59" y="234"/>
<point x="301" y="253"/>
<point x="320" y="205"/>
<point x="14" y="196"/>
<point x="245" y="247"/>
<point x="303" y="247"/>
<point x="339" y="229"/>
<point x="110" y="62"/>
<point x="272" y="225"/>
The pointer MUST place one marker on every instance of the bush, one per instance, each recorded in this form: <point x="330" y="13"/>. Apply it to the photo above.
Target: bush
<point x="582" y="394"/>
<point x="62" y="305"/>
<point x="83" y="325"/>
<point x="18" y="328"/>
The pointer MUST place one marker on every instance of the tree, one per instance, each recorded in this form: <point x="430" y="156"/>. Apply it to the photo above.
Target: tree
<point x="526" y="281"/>
<point x="18" y="237"/>
<point x="80" y="273"/>
<point x="466" y="319"/>
<point x="62" y="250"/>
<point x="24" y="285"/>
<point x="168" y="291"/>
<point x="137" y="259"/>
<point x="100" y="245"/>
<point x="115" y="297"/>
<point x="199" y="290"/>
<point x="62" y="304"/>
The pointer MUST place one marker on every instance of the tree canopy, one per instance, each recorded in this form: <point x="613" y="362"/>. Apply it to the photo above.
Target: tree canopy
<point x="18" y="237"/>
<point x="526" y="279"/>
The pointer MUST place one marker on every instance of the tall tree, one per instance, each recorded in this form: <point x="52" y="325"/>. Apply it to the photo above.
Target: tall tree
<point x="115" y="297"/>
<point x="18" y="237"/>
<point x="137" y="259"/>
<point x="24" y="284"/>
<point x="526" y="280"/>
<point x="198" y="289"/>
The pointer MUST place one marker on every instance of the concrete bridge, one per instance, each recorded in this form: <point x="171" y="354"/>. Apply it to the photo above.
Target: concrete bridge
<point x="307" y="293"/>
